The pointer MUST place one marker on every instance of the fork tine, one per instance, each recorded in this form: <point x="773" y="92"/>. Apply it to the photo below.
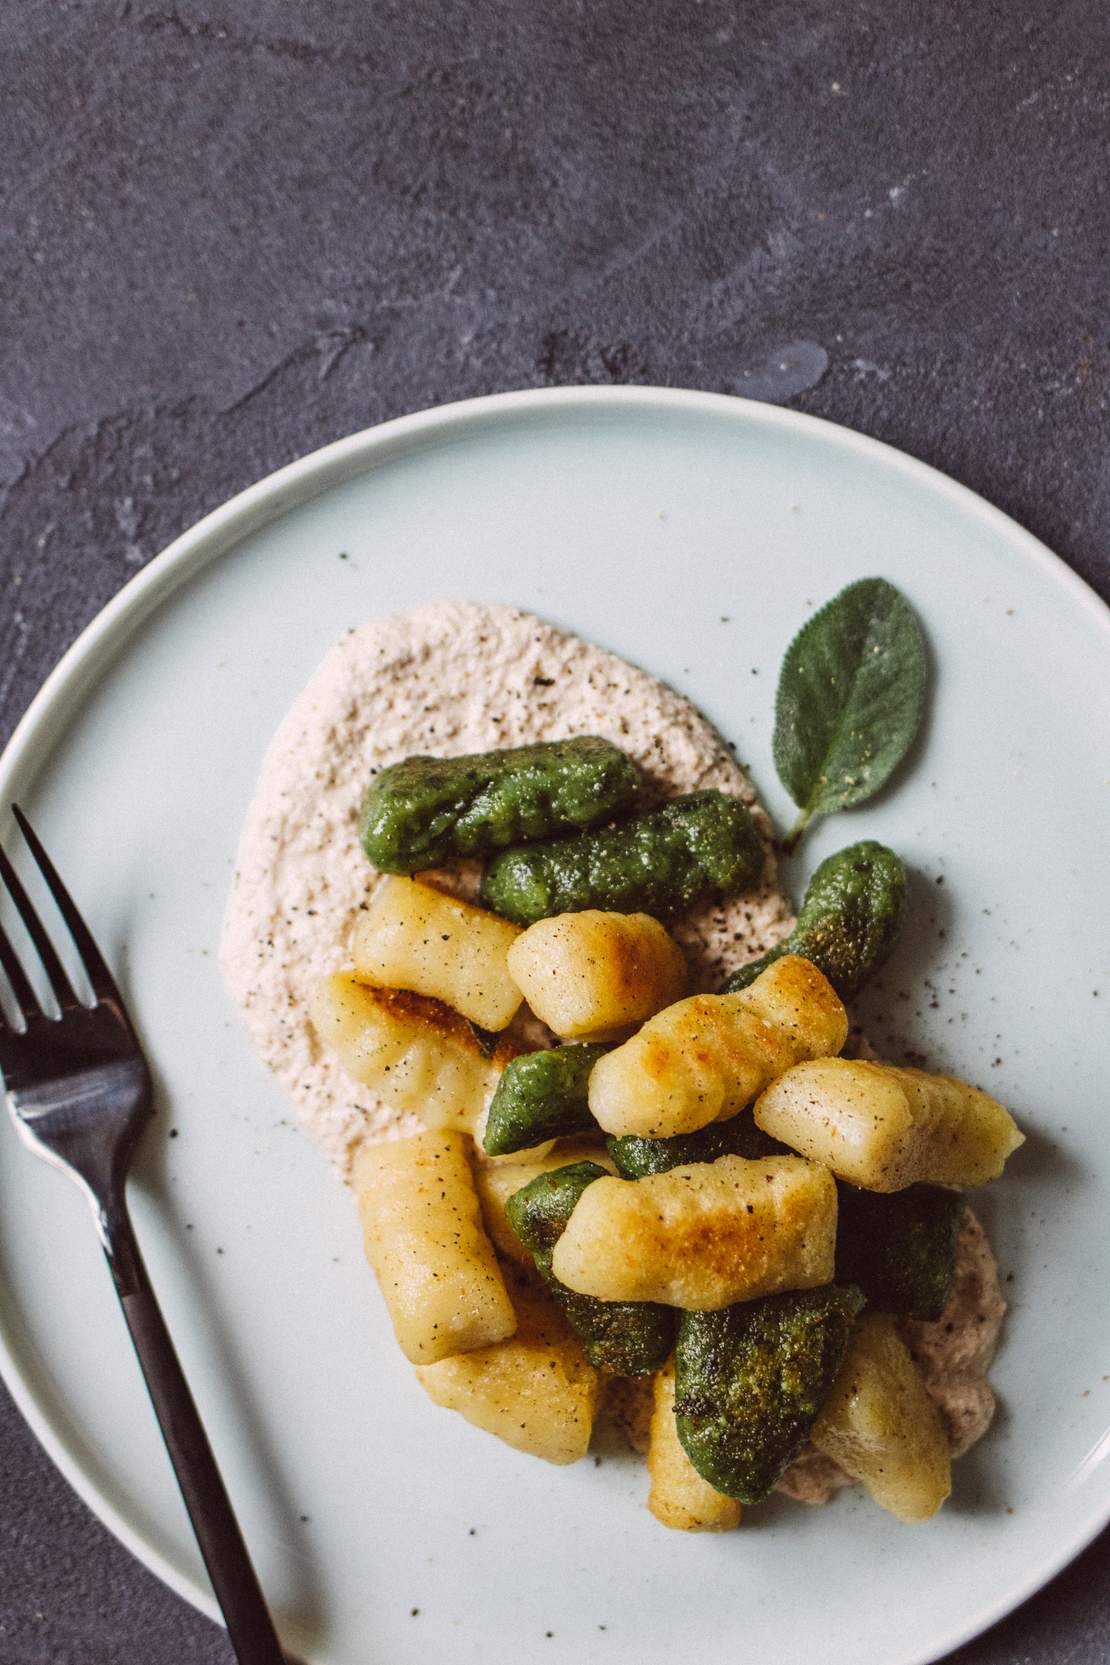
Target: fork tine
<point x="19" y="982"/>
<point x="52" y="965"/>
<point x="96" y="969"/>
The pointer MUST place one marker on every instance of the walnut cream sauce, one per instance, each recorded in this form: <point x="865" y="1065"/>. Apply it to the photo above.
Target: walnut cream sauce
<point x="462" y="677"/>
<point x="444" y="680"/>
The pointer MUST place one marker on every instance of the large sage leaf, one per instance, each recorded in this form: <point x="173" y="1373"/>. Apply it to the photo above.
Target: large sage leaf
<point x="850" y="699"/>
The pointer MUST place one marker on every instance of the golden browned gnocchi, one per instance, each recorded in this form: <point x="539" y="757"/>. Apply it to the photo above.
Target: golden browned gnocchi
<point x="678" y="1496"/>
<point x="705" y="1058"/>
<point x="704" y="1235"/>
<point x="413" y="936"/>
<point x="595" y="975"/>
<point x="883" y="1127"/>
<point x="424" y="1238"/>
<point x="536" y="1391"/>
<point x="416" y="1053"/>
<point x="881" y="1426"/>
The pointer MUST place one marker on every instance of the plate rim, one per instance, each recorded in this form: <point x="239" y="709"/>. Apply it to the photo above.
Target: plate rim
<point x="217" y="534"/>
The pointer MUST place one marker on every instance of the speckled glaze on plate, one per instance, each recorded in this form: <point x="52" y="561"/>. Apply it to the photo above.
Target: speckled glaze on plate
<point x="691" y="533"/>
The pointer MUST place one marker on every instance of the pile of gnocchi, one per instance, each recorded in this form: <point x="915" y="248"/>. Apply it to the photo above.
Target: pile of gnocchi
<point x="696" y="1191"/>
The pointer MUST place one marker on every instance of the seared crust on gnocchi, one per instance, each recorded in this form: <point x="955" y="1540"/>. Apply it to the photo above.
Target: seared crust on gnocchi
<point x="413" y="936"/>
<point x="415" y="1053"/>
<point x="595" y="975"/>
<point x="704" y="1235"/>
<point x="703" y="1059"/>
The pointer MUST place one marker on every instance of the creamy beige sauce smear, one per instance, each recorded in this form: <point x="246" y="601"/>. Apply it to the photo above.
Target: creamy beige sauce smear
<point x="462" y="677"/>
<point x="453" y="678"/>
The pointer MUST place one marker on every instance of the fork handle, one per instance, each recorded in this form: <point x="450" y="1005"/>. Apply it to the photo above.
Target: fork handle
<point x="234" y="1580"/>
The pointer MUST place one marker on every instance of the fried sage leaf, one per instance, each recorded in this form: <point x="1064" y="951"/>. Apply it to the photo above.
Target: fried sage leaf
<point x="850" y="699"/>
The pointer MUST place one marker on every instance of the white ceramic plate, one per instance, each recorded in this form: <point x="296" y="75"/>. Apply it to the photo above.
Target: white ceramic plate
<point x="693" y="534"/>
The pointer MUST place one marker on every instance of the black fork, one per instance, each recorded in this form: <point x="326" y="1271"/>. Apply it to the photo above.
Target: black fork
<point x="79" y="1089"/>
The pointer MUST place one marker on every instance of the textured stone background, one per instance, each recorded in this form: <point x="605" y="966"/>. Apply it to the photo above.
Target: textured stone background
<point x="232" y="231"/>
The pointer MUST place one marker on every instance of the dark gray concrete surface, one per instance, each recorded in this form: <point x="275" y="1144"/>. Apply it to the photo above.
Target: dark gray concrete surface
<point x="231" y="230"/>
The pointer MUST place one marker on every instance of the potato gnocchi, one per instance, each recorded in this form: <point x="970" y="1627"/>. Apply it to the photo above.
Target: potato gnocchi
<point x="415" y="937"/>
<point x="703" y="1236"/>
<point x="535" y="1390"/>
<point x="884" y="1128"/>
<point x="881" y="1426"/>
<point x="594" y="976"/>
<point x="424" y="1239"/>
<point x="678" y="1496"/>
<point x="705" y="1058"/>
<point x="417" y="1053"/>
